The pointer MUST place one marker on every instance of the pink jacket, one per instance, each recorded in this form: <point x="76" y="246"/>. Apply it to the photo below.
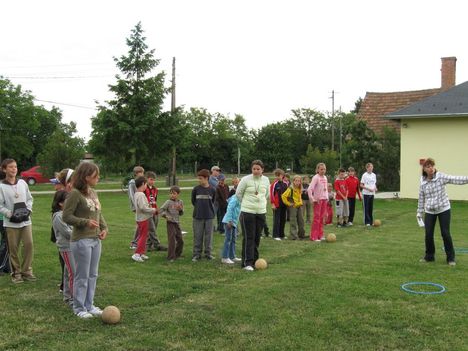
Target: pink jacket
<point x="318" y="188"/>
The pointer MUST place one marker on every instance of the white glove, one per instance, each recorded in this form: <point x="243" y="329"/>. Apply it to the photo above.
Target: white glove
<point x="420" y="219"/>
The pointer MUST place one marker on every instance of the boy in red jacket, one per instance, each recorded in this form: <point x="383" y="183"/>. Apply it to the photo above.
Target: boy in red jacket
<point x="352" y="182"/>
<point x="342" y="209"/>
<point x="151" y="192"/>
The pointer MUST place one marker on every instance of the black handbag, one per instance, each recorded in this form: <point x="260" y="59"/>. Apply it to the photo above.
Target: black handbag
<point x="20" y="213"/>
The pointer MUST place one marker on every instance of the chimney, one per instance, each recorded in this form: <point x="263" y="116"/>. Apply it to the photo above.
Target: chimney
<point x="449" y="65"/>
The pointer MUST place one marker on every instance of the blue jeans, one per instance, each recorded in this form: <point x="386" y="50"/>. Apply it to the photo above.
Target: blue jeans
<point x="86" y="253"/>
<point x="229" y="248"/>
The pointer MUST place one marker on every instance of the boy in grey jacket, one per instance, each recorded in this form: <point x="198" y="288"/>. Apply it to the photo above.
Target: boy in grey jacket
<point x="171" y="210"/>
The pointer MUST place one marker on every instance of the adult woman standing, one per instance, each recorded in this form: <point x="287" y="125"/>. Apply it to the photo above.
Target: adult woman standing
<point x="16" y="205"/>
<point x="434" y="203"/>
<point x="253" y="193"/>
<point x="82" y="210"/>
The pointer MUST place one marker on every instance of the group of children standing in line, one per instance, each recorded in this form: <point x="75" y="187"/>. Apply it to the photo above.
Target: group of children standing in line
<point x="290" y="201"/>
<point x="297" y="199"/>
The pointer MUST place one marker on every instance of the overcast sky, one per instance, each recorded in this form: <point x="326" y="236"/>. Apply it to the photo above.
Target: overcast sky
<point x="257" y="58"/>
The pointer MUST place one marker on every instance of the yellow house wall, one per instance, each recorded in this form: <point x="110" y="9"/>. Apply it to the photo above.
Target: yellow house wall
<point x="443" y="139"/>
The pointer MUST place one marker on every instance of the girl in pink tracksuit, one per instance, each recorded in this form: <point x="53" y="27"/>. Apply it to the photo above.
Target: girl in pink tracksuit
<point x="318" y="195"/>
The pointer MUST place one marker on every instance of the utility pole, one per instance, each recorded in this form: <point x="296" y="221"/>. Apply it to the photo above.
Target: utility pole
<point x="333" y="121"/>
<point x="173" y="96"/>
<point x="238" y="159"/>
<point x="341" y="133"/>
<point x="172" y="177"/>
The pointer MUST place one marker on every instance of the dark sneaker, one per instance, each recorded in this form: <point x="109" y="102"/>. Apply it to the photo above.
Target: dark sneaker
<point x="161" y="248"/>
<point x="425" y="260"/>
<point x="210" y="257"/>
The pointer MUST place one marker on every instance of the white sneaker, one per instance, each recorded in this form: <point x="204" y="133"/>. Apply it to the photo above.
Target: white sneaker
<point x="84" y="315"/>
<point x="227" y="261"/>
<point x="95" y="311"/>
<point x="144" y="257"/>
<point x="350" y="224"/>
<point x="137" y="258"/>
<point x="279" y="239"/>
<point x="452" y="263"/>
<point x="237" y="259"/>
<point x="317" y="240"/>
<point x="322" y="239"/>
<point x="248" y="268"/>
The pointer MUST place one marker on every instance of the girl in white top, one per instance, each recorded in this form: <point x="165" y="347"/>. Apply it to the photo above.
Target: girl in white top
<point x="253" y="193"/>
<point x="15" y="193"/>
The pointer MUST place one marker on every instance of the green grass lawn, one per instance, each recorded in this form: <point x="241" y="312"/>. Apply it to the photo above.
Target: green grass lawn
<point x="340" y="296"/>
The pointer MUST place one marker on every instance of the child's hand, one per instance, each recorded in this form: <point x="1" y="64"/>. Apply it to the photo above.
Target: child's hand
<point x="92" y="223"/>
<point x="102" y="234"/>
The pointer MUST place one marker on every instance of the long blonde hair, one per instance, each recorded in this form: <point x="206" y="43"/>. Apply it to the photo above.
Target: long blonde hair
<point x="319" y="165"/>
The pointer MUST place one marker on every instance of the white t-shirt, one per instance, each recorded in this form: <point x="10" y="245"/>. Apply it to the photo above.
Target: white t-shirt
<point x="370" y="181"/>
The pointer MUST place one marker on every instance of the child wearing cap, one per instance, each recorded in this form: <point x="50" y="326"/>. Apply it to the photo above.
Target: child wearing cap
<point x="213" y="180"/>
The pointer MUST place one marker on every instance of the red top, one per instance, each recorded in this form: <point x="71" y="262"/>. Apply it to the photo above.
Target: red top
<point x="353" y="187"/>
<point x="340" y="186"/>
<point x="152" y="196"/>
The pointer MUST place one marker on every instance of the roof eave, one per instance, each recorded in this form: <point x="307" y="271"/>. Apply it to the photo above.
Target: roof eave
<point x="426" y="116"/>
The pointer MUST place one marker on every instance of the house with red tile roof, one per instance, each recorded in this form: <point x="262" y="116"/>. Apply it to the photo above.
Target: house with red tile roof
<point x="376" y="105"/>
<point x="434" y="127"/>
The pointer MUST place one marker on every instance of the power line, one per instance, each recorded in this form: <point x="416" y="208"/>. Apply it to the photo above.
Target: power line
<point x="60" y="65"/>
<point x="57" y="77"/>
<point x="65" y="104"/>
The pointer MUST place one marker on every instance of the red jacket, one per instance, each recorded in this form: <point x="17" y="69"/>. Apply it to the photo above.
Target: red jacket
<point x="340" y="186"/>
<point x="277" y="188"/>
<point x="353" y="187"/>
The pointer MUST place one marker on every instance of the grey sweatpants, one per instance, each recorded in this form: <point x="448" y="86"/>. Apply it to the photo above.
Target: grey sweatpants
<point x="86" y="253"/>
<point x="202" y="236"/>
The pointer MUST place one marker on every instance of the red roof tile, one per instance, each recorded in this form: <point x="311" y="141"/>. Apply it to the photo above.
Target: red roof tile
<point x="376" y="105"/>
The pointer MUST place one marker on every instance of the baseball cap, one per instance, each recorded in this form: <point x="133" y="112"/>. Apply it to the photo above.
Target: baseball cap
<point x="215" y="168"/>
<point x="54" y="181"/>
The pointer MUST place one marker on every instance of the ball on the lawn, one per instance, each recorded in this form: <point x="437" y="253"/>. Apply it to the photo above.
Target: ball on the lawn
<point x="261" y="264"/>
<point x="377" y="223"/>
<point x="111" y="315"/>
<point x="331" y="238"/>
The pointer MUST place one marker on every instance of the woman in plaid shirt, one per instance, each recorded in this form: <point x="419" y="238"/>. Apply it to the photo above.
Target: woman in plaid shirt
<point x="433" y="202"/>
